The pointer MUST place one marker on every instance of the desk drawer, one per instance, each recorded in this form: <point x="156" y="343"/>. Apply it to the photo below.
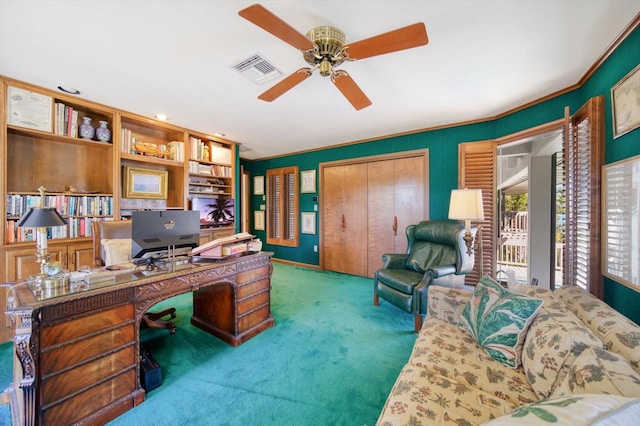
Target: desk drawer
<point x="253" y="302"/>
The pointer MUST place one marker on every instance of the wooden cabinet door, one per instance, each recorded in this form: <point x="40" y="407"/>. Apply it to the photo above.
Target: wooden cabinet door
<point x="345" y="218"/>
<point x="79" y="255"/>
<point x="21" y="262"/>
<point x="396" y="199"/>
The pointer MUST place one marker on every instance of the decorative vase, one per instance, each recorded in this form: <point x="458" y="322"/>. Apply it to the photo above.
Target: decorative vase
<point x="103" y="133"/>
<point x="86" y="129"/>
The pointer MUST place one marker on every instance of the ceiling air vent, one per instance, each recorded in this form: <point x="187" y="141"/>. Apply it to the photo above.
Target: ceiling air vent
<point x="257" y="69"/>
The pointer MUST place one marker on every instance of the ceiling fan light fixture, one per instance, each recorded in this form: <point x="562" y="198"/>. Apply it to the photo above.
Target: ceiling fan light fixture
<point x="329" y="43"/>
<point x="325" y="68"/>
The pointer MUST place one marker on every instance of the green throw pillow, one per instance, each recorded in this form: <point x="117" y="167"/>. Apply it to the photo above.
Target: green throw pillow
<point x="498" y="320"/>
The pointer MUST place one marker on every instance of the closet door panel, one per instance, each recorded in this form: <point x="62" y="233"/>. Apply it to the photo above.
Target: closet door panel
<point x="345" y="218"/>
<point x="409" y="197"/>
<point x="380" y="213"/>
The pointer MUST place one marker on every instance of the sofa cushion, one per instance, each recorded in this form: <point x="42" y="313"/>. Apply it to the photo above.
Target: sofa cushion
<point x="444" y="348"/>
<point x="498" y="320"/>
<point x="555" y="338"/>
<point x="116" y="250"/>
<point x="424" y="397"/>
<point x="425" y="255"/>
<point x="599" y="371"/>
<point x="402" y="280"/>
<point x="575" y="410"/>
<point x="618" y="333"/>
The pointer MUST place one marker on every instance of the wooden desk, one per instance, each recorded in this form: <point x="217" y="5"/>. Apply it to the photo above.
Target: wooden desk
<point x="77" y="355"/>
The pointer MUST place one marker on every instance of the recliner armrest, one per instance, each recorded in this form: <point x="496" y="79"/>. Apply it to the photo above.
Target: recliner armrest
<point x="394" y="261"/>
<point x="442" y="270"/>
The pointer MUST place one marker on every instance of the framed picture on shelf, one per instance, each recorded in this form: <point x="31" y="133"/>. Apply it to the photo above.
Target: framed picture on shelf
<point x="625" y="103"/>
<point x="29" y="109"/>
<point x="308" y="181"/>
<point x="308" y="220"/>
<point x="144" y="183"/>
<point x="258" y="220"/>
<point x="258" y="185"/>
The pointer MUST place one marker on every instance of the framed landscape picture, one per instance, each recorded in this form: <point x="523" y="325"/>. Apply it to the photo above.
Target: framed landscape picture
<point x="144" y="183"/>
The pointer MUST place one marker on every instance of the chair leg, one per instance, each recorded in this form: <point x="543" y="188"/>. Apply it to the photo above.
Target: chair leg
<point x="152" y="320"/>
<point x="376" y="299"/>
<point x="417" y="319"/>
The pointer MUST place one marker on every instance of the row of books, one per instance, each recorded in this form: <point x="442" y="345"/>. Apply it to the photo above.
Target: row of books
<point x="208" y="151"/>
<point x="66" y="205"/>
<point x="177" y="149"/>
<point x="209" y="169"/>
<point x="66" y="120"/>
<point x="76" y="227"/>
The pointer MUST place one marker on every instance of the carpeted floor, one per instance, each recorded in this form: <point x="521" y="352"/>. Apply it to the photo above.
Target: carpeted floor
<point x="331" y="359"/>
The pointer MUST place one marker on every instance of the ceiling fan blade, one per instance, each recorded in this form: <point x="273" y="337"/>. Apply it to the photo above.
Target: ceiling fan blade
<point x="285" y="85"/>
<point x="350" y="90"/>
<point x="403" y="38"/>
<point x="269" y="22"/>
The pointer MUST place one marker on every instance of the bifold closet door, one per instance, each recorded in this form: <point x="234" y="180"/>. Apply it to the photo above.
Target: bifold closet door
<point x="396" y="199"/>
<point x="344" y="221"/>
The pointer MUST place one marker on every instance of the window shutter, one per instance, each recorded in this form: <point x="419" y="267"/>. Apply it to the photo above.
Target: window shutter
<point x="584" y="156"/>
<point x="282" y="206"/>
<point x="477" y="164"/>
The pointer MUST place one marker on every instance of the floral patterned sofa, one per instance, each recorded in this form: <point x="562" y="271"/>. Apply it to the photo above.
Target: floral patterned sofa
<point x="529" y="356"/>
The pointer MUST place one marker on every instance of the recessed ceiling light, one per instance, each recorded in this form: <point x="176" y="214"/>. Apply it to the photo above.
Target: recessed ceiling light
<point x="69" y="90"/>
<point x="161" y="117"/>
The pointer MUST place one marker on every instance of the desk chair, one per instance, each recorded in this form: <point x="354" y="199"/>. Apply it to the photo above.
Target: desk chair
<point x="111" y="246"/>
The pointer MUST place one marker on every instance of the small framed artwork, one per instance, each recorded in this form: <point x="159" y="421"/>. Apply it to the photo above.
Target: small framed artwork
<point x="308" y="222"/>
<point x="625" y="103"/>
<point x="258" y="220"/>
<point x="258" y="185"/>
<point x="308" y="179"/>
<point x="29" y="109"/>
<point x="144" y="183"/>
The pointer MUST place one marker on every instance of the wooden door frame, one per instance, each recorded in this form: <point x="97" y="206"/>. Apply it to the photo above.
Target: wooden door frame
<point x="367" y="159"/>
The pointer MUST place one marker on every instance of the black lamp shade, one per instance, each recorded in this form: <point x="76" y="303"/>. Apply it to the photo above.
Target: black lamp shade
<point x="41" y="218"/>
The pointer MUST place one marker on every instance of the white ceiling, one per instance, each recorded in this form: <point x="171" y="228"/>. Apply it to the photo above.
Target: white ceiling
<point x="484" y="57"/>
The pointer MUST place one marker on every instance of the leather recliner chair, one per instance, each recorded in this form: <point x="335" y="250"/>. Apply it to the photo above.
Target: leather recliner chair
<point x="436" y="255"/>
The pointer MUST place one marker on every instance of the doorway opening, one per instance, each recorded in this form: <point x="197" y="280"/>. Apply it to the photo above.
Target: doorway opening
<point x="530" y="197"/>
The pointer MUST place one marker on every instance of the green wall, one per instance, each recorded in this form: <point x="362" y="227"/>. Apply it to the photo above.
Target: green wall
<point x="443" y="156"/>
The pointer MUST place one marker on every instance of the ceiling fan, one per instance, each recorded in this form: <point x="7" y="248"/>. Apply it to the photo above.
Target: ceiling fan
<point x="325" y="48"/>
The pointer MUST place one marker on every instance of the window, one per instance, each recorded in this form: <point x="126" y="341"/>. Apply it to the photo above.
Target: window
<point x="282" y="206"/>
<point x="621" y="260"/>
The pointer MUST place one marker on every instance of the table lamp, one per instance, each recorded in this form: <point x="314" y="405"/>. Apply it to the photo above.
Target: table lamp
<point x="466" y="204"/>
<point x="41" y="218"/>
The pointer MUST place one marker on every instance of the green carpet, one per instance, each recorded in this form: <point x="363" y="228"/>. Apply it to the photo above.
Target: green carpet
<point x="331" y="359"/>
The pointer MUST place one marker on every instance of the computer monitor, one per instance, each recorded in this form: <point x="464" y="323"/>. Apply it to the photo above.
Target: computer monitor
<point x="164" y="233"/>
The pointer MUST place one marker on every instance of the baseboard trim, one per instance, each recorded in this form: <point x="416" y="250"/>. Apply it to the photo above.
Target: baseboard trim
<point x="299" y="264"/>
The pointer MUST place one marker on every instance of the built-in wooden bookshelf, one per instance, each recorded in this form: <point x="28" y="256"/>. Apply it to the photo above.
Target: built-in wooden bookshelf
<point x="210" y="168"/>
<point x="83" y="178"/>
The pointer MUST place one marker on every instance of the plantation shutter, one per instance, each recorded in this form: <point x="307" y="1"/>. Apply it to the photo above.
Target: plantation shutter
<point x="282" y="206"/>
<point x="477" y="170"/>
<point x="584" y="157"/>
